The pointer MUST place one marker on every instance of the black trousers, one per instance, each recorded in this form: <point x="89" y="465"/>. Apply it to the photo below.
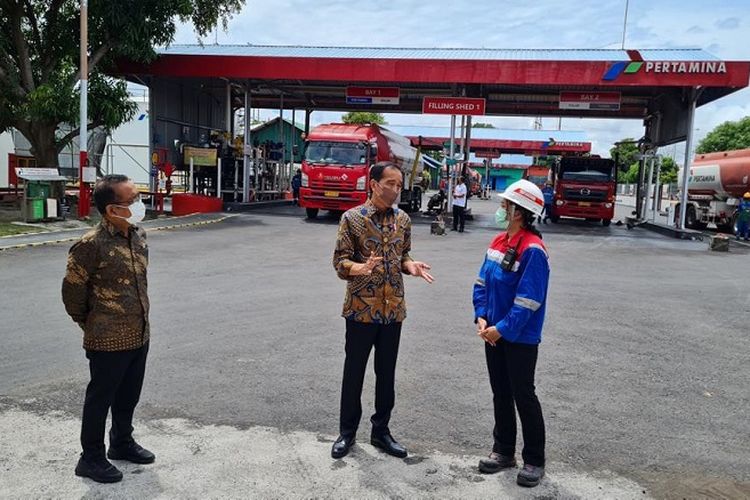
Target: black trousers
<point x="459" y="217"/>
<point x="360" y="339"/>
<point x="116" y="381"/>
<point x="511" y="368"/>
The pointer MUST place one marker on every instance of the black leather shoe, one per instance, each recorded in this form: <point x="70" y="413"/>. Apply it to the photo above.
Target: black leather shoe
<point x="132" y="453"/>
<point x="99" y="470"/>
<point x="342" y="446"/>
<point x="389" y="445"/>
<point x="495" y="463"/>
<point x="530" y="475"/>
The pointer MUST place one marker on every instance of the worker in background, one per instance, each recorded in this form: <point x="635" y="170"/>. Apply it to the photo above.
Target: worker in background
<point x="459" y="205"/>
<point x="743" y="218"/>
<point x="105" y="293"/>
<point x="296" y="184"/>
<point x="548" y="193"/>
<point x="510" y="297"/>
<point x="372" y="255"/>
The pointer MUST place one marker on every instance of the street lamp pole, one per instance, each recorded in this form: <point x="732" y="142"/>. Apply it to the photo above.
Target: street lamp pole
<point x="83" y="192"/>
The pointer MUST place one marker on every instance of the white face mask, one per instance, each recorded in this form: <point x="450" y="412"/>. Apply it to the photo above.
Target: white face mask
<point x="137" y="212"/>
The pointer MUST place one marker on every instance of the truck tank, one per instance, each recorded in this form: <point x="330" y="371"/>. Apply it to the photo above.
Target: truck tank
<point x="722" y="175"/>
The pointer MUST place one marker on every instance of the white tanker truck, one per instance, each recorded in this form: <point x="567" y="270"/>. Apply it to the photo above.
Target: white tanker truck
<point x="716" y="184"/>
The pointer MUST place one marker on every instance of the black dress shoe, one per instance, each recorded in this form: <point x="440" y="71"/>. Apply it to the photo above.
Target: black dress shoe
<point x="342" y="446"/>
<point x="99" y="470"/>
<point x="389" y="445"/>
<point x="132" y="453"/>
<point x="495" y="463"/>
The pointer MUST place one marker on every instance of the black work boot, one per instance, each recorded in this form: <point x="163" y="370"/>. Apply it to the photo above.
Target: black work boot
<point x="496" y="462"/>
<point x="99" y="470"/>
<point x="530" y="475"/>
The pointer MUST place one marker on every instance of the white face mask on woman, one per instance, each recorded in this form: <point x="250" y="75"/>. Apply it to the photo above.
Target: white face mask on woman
<point x="137" y="212"/>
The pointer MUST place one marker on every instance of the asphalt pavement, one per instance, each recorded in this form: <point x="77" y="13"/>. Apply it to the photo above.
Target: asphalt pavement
<point x="642" y="372"/>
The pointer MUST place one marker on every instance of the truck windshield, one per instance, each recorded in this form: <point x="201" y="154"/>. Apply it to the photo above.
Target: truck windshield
<point x="586" y="172"/>
<point x="339" y="153"/>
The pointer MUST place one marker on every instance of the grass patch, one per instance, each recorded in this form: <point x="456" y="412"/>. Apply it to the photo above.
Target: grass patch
<point x="7" y="229"/>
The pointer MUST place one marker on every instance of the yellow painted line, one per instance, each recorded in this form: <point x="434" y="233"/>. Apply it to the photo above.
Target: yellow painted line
<point x="148" y="230"/>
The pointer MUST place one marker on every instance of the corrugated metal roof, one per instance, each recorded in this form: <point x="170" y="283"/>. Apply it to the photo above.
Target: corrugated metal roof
<point x="436" y="53"/>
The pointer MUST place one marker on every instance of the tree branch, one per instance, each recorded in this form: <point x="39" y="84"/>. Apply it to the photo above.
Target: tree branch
<point x="24" y="60"/>
<point x="50" y="35"/>
<point x="70" y="135"/>
<point x="93" y="60"/>
<point x="34" y="25"/>
<point x="11" y="85"/>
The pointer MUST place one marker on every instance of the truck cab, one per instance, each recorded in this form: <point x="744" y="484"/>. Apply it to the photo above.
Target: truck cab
<point x="338" y="157"/>
<point x="584" y="188"/>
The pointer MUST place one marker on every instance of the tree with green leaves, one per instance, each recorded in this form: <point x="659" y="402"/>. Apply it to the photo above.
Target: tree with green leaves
<point x="626" y="153"/>
<point x="482" y="125"/>
<point x="669" y="169"/>
<point x="39" y="56"/>
<point x="726" y="137"/>
<point x="363" y="117"/>
<point x="668" y="173"/>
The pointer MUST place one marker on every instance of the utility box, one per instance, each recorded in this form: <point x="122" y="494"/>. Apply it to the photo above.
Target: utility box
<point x="43" y="194"/>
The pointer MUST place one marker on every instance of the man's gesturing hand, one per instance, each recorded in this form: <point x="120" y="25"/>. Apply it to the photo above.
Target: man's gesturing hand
<point x="366" y="268"/>
<point x="416" y="268"/>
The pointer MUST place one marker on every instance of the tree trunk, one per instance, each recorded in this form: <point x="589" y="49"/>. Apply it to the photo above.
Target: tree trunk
<point x="42" y="140"/>
<point x="97" y="141"/>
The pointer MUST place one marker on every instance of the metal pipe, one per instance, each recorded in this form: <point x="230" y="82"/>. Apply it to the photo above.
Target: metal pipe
<point x="688" y="160"/>
<point x="218" y="177"/>
<point x="192" y="172"/>
<point x="247" y="149"/>
<point x="449" y="164"/>
<point x="657" y="190"/>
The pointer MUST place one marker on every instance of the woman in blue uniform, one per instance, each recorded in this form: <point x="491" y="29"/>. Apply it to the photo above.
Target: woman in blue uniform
<point x="509" y="303"/>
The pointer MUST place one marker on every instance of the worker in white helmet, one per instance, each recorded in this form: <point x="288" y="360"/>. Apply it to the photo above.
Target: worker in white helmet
<point x="509" y="303"/>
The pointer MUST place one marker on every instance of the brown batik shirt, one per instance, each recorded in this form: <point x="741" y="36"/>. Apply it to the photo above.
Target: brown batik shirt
<point x="377" y="297"/>
<point x="105" y="289"/>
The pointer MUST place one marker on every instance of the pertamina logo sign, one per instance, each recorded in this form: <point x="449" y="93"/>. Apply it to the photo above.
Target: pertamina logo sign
<point x="665" y="67"/>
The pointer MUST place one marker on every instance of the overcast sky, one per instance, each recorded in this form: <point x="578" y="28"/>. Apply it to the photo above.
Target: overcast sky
<point x="721" y="27"/>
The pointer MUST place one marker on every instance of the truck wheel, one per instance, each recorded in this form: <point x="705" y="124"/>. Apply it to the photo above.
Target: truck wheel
<point x="691" y="220"/>
<point x="312" y="213"/>
<point x="606" y="222"/>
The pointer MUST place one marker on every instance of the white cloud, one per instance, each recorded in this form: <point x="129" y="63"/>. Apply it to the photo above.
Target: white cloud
<point x="714" y="26"/>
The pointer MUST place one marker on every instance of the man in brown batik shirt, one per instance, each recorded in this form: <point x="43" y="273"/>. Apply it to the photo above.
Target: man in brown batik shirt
<point x="105" y="293"/>
<point x="372" y="254"/>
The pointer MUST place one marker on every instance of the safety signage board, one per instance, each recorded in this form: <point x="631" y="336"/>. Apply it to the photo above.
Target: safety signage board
<point x="373" y="95"/>
<point x="453" y="105"/>
<point x="590" y="100"/>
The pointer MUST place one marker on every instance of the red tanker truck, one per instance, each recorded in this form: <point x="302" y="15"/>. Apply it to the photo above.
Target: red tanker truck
<point x="716" y="184"/>
<point x="335" y="170"/>
<point x="584" y="188"/>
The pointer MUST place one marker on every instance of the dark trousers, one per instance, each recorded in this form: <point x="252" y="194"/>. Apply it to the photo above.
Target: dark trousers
<point x="360" y="339"/>
<point x="511" y="368"/>
<point x="459" y="217"/>
<point x="116" y="381"/>
<point x="545" y="212"/>
<point x="295" y="193"/>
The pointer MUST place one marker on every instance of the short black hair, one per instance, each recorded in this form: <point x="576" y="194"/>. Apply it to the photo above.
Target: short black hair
<point x="104" y="191"/>
<point x="376" y="171"/>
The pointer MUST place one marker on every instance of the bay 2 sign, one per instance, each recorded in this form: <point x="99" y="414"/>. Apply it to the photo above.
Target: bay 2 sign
<point x="453" y="106"/>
